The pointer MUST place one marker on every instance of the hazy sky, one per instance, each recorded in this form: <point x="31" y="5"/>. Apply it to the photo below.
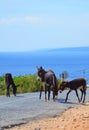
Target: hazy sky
<point x="38" y="24"/>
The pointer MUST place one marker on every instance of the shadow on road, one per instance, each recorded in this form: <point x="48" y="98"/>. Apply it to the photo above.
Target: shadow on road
<point x="62" y="100"/>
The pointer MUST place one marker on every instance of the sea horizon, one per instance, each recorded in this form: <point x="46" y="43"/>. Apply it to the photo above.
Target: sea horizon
<point x="73" y="60"/>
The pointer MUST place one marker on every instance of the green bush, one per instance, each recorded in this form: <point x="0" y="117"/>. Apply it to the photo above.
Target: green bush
<point x="26" y="83"/>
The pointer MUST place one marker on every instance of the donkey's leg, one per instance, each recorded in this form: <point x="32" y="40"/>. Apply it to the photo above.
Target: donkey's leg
<point x="14" y="89"/>
<point x="41" y="92"/>
<point x="81" y="94"/>
<point x="53" y="93"/>
<point x="48" y="92"/>
<point x="77" y="95"/>
<point x="7" y="91"/>
<point x="67" y="95"/>
<point x="84" y="95"/>
<point x="45" y="93"/>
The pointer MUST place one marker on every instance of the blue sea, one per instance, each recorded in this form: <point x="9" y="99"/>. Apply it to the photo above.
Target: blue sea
<point x="75" y="61"/>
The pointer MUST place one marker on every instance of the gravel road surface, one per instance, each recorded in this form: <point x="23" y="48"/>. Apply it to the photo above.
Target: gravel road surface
<point x="28" y="107"/>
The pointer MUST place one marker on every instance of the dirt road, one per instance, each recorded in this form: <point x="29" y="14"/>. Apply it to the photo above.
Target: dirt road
<point x="28" y="107"/>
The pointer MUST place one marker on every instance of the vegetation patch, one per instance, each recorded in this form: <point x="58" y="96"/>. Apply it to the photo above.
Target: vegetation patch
<point x="25" y="84"/>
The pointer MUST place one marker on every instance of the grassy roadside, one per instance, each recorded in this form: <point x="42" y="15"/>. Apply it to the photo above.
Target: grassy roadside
<point x="26" y="83"/>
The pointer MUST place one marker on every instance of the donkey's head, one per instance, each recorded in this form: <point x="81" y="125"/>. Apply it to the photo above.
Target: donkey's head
<point x="40" y="73"/>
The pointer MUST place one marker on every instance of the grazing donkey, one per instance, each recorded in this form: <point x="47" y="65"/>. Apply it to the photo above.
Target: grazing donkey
<point x="9" y="81"/>
<point x="48" y="79"/>
<point x="74" y="85"/>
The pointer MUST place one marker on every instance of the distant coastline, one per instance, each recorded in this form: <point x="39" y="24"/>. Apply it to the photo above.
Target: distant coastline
<point x="83" y="49"/>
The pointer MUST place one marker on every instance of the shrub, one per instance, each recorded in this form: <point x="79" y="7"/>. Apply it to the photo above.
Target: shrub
<point x="25" y="83"/>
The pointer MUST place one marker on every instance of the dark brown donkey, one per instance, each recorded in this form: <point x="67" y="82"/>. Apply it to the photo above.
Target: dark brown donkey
<point x="75" y="84"/>
<point x="9" y="82"/>
<point x="48" y="79"/>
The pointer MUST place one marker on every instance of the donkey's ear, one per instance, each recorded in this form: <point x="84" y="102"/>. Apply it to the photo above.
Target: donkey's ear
<point x="37" y="67"/>
<point x="41" y="67"/>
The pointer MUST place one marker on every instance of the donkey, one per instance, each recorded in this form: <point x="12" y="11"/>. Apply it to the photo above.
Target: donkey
<point x="75" y="84"/>
<point x="48" y="79"/>
<point x="9" y="81"/>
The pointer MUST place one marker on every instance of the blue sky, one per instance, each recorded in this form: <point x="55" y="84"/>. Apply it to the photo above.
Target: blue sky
<point x="27" y="25"/>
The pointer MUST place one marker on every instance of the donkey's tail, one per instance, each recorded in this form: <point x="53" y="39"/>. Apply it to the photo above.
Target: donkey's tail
<point x="55" y="85"/>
